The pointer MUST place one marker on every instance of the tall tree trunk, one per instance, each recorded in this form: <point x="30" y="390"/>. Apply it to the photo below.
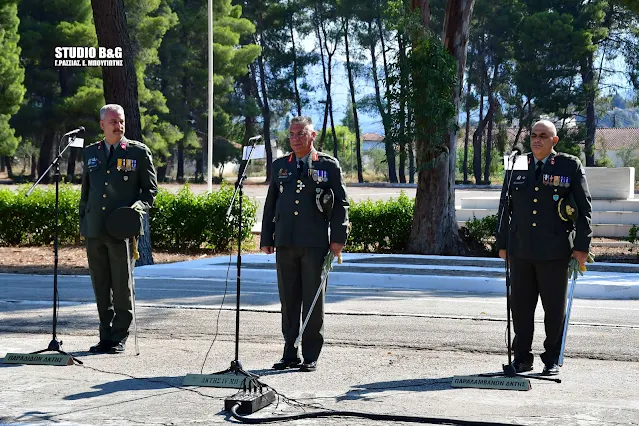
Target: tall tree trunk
<point x="477" y="138"/>
<point x="121" y="85"/>
<point x="320" y="42"/>
<point x="34" y="164"/>
<point x="46" y="154"/>
<point x="434" y="229"/>
<point x="335" y="140"/>
<point x="2" y="166"/>
<point x="351" y="84"/>
<point x="390" y="149"/>
<point x="266" y="115"/>
<point x="161" y="172"/>
<point x="388" y="140"/>
<point x="587" y="77"/>
<point x="467" y="133"/>
<point x="8" y="162"/>
<point x="328" y="81"/>
<point x="73" y="154"/>
<point x="401" y="116"/>
<point x="489" y="144"/>
<point x="298" y="101"/>
<point x="411" y="155"/>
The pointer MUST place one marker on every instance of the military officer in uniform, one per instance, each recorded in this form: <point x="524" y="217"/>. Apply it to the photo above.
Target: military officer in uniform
<point x="542" y="240"/>
<point x="300" y="235"/>
<point x="118" y="172"/>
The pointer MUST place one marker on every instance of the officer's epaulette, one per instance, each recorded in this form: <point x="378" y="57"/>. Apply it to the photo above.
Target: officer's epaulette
<point x="327" y="156"/>
<point x="566" y="156"/>
<point x="93" y="144"/>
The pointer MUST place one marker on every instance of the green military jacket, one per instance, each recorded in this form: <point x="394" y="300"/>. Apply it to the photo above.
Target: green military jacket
<point x="537" y="228"/>
<point x="291" y="216"/>
<point x="129" y="177"/>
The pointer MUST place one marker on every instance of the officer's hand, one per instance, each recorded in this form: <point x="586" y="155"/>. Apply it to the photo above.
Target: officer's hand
<point x="502" y="254"/>
<point x="268" y="249"/>
<point x="581" y="256"/>
<point x="337" y="248"/>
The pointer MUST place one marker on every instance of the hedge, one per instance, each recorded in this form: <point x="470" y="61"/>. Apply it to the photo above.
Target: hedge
<point x="179" y="222"/>
<point x="185" y="221"/>
<point x="381" y="226"/>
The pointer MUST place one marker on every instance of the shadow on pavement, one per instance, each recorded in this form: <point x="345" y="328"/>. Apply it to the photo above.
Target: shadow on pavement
<point x="411" y="385"/>
<point x="130" y="384"/>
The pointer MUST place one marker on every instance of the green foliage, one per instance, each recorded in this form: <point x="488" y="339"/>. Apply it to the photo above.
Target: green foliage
<point x="148" y="22"/>
<point x="629" y="158"/>
<point x="179" y="222"/>
<point x="496" y="163"/>
<point x="28" y="221"/>
<point x="185" y="221"/>
<point x="11" y="75"/>
<point x="433" y="80"/>
<point x="481" y="232"/>
<point x="381" y="226"/>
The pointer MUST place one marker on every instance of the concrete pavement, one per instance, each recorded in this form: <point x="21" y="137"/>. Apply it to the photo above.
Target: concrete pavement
<point x="446" y="273"/>
<point x="392" y="346"/>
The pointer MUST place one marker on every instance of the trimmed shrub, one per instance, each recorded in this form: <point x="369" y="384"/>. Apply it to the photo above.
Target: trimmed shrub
<point x="481" y="232"/>
<point x="381" y="226"/>
<point x="30" y="221"/>
<point x="179" y="222"/>
<point x="186" y="221"/>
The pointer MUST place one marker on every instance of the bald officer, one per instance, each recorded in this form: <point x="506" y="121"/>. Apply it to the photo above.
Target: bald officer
<point x="294" y="227"/>
<point x="118" y="172"/>
<point x="542" y="241"/>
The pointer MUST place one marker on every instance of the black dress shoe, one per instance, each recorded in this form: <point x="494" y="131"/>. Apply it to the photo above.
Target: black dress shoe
<point x="521" y="366"/>
<point x="550" y="370"/>
<point x="285" y="363"/>
<point x="308" y="366"/>
<point x="117" y="348"/>
<point x="102" y="347"/>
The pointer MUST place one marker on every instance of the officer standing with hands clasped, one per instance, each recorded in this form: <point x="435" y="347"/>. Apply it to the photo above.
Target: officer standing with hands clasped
<point x="542" y="239"/>
<point x="118" y="172"/>
<point x="299" y="227"/>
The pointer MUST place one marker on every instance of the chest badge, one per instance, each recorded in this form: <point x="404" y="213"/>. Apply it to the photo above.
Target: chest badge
<point x="555" y="197"/>
<point x="300" y="185"/>
<point x="126" y="178"/>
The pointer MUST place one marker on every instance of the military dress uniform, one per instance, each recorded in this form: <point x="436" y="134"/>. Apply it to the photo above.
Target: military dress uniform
<point x="540" y="245"/>
<point x="301" y="234"/>
<point x="125" y="178"/>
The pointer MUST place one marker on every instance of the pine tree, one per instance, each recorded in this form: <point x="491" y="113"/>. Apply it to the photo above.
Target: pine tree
<point x="11" y="76"/>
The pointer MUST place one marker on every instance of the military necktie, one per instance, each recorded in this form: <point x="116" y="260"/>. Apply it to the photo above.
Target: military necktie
<point x="540" y="164"/>
<point x="111" y="149"/>
<point x="300" y="168"/>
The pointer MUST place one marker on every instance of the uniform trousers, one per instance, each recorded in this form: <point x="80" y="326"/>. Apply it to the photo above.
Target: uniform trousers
<point x="107" y="258"/>
<point x="299" y="272"/>
<point x="531" y="279"/>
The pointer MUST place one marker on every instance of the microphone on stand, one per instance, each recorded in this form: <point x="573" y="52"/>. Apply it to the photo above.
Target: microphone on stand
<point x="75" y="131"/>
<point x="516" y="151"/>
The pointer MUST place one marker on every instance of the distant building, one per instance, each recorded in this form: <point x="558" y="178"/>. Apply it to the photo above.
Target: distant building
<point x="612" y="142"/>
<point x="372" y="141"/>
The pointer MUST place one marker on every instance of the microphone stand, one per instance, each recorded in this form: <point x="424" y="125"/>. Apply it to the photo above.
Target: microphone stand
<point x="509" y="369"/>
<point x="236" y="365"/>
<point x="55" y="345"/>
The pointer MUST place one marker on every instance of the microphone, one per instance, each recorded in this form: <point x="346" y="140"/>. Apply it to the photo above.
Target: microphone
<point x="73" y="132"/>
<point x="515" y="153"/>
<point x="255" y="138"/>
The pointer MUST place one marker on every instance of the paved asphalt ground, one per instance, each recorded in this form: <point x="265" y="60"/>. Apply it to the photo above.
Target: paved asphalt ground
<point x="388" y="350"/>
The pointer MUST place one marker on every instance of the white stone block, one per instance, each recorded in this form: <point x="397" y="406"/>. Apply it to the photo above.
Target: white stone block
<point x="616" y="183"/>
